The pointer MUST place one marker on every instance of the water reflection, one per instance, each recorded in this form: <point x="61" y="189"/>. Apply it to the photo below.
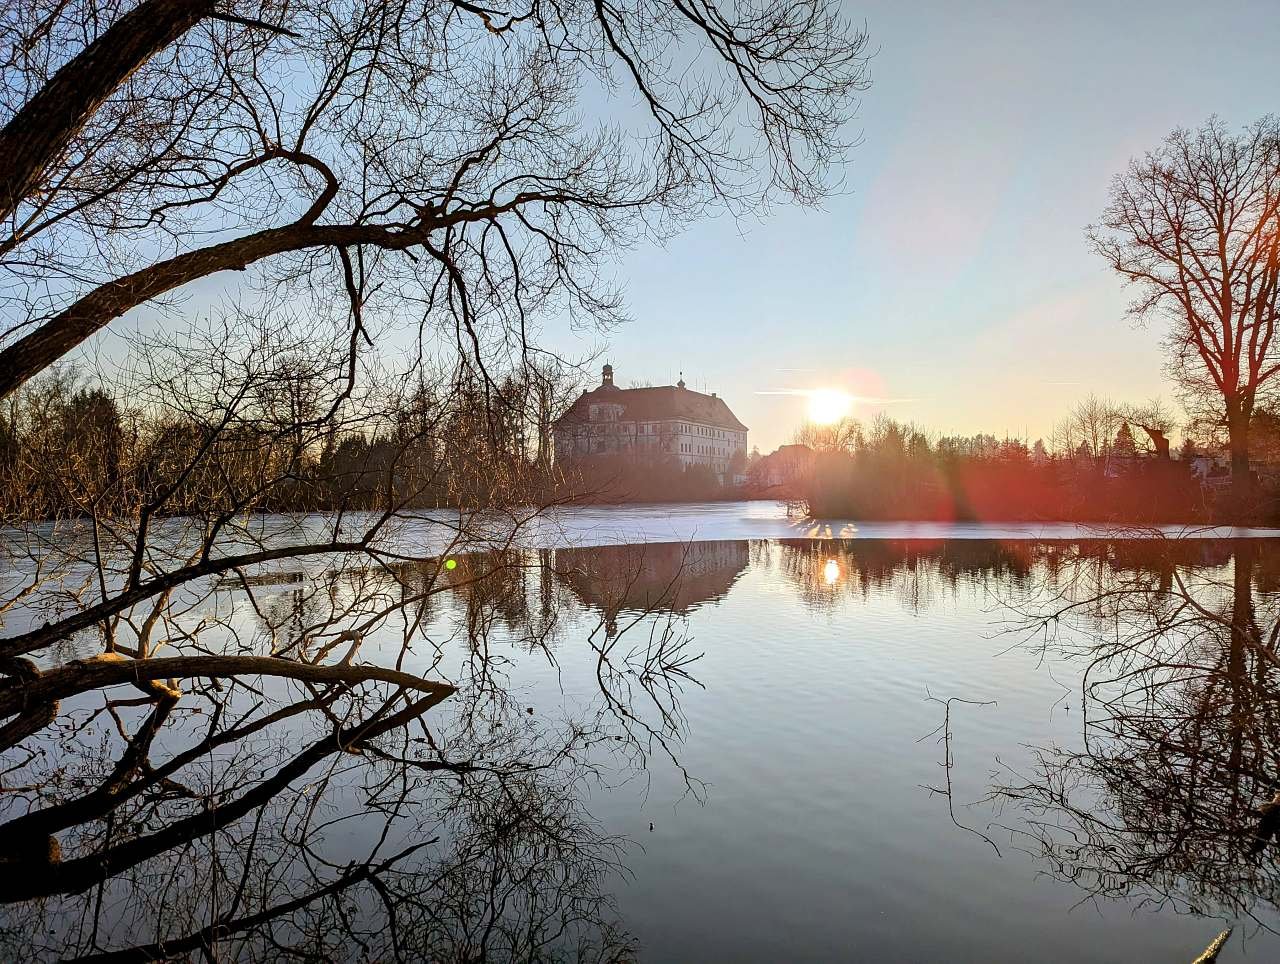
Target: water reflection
<point x="922" y="572"/>
<point x="1171" y="798"/>
<point x="325" y="803"/>
<point x="831" y="572"/>
<point x="296" y="786"/>
<point x="672" y="577"/>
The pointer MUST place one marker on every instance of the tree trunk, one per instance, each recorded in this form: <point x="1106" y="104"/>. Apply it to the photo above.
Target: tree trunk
<point x="40" y="348"/>
<point x="38" y="133"/>
<point x="1238" y="417"/>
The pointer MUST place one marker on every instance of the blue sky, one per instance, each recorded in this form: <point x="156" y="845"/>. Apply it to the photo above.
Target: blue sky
<point x="953" y="272"/>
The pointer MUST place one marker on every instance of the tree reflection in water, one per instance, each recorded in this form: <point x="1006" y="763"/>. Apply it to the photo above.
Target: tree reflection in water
<point x="346" y="767"/>
<point x="918" y="572"/>
<point x="1173" y="797"/>
<point x="280" y="790"/>
<point x="1168" y="800"/>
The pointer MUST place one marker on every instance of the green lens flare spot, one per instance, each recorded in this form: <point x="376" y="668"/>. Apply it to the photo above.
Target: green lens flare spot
<point x="451" y="563"/>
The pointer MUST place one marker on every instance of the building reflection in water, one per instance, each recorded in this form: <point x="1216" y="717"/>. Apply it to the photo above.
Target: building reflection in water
<point x="262" y="814"/>
<point x="674" y="578"/>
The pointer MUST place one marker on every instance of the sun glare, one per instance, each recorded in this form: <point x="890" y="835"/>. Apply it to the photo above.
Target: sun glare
<point x="828" y="405"/>
<point x="831" y="572"/>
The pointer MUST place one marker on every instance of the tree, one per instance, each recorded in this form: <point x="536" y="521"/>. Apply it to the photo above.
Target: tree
<point x="442" y="169"/>
<point x="1014" y="450"/>
<point x="1264" y="435"/>
<point x="842" y="436"/>
<point x="1156" y="422"/>
<point x="1124" y="447"/>
<point x="445" y="156"/>
<point x="1092" y="423"/>
<point x="439" y="166"/>
<point x="1194" y="227"/>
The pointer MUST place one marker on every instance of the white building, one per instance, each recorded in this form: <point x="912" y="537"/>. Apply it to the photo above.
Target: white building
<point x="668" y="421"/>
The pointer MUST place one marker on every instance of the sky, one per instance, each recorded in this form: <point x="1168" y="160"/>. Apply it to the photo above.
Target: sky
<point x="952" y="276"/>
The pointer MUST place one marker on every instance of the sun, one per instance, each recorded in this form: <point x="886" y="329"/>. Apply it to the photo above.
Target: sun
<point x="828" y="405"/>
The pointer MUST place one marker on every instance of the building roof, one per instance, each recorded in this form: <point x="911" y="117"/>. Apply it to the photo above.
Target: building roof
<point x="636" y="578"/>
<point x="655" y="404"/>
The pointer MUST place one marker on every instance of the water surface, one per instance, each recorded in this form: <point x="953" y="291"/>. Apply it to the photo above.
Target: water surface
<point x="761" y="749"/>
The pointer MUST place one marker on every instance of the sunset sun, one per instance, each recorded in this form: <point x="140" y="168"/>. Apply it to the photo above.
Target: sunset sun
<point x="828" y="405"/>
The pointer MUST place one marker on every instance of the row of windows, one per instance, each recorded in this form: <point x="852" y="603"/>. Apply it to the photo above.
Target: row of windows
<point x="703" y="430"/>
<point x="680" y="428"/>
<point x="690" y="449"/>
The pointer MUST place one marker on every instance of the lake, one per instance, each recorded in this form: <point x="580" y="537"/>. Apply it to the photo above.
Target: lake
<point x="707" y="733"/>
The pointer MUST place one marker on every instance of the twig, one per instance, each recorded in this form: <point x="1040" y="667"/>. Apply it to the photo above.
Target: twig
<point x="948" y="760"/>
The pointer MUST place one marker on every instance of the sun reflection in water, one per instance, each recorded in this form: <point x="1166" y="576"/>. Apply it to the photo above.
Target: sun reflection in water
<point x="831" y="572"/>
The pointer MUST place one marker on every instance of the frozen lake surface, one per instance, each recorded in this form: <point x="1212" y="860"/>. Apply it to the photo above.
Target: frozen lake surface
<point x="711" y="521"/>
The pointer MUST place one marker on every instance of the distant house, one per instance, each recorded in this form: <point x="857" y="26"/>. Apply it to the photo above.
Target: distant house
<point x="1214" y="471"/>
<point x="668" y="421"/>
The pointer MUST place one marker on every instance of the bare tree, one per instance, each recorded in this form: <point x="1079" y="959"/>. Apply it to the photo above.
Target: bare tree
<point x="191" y="706"/>
<point x="454" y="171"/>
<point x="845" y="435"/>
<point x="1156" y="422"/>
<point x="301" y="804"/>
<point x="1194" y="226"/>
<point x="468" y="158"/>
<point x="1093" y="424"/>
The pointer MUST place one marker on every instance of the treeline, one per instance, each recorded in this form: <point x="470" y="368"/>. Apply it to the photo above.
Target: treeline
<point x="71" y="448"/>
<point x="285" y="437"/>
<point x="658" y="478"/>
<point x="895" y="471"/>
